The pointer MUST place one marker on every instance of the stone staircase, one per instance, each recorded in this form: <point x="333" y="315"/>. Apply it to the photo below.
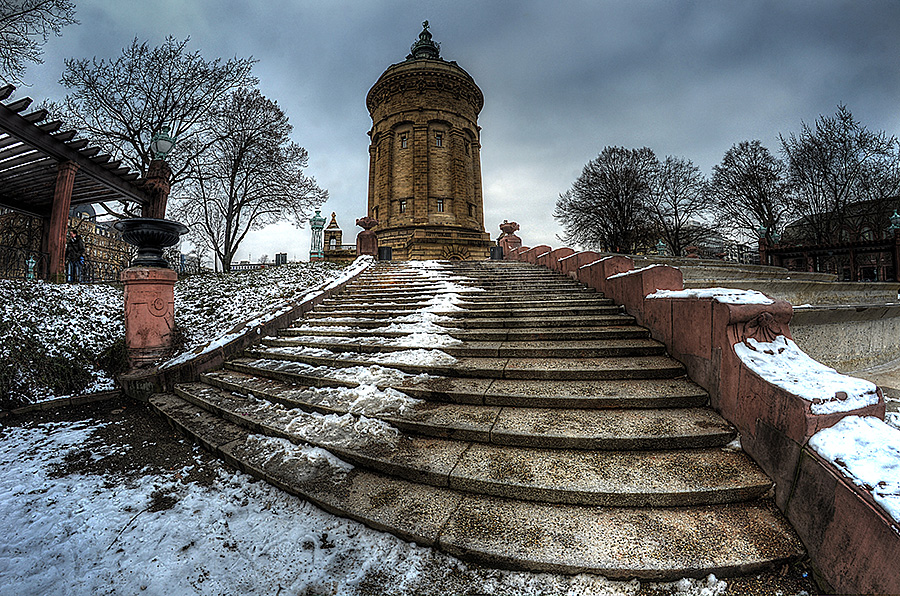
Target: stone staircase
<point x="501" y="413"/>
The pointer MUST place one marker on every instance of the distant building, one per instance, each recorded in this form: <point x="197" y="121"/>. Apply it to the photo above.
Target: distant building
<point x="334" y="250"/>
<point x="863" y="244"/>
<point x="281" y="258"/>
<point x="425" y="185"/>
<point x="106" y="254"/>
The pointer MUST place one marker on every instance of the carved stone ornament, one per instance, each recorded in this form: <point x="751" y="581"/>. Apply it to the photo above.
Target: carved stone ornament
<point x="763" y="328"/>
<point x="367" y="222"/>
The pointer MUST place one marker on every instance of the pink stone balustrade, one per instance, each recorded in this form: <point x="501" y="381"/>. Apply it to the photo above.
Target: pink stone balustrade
<point x="852" y="542"/>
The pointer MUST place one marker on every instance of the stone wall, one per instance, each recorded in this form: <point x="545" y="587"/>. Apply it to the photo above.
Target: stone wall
<point x="848" y="337"/>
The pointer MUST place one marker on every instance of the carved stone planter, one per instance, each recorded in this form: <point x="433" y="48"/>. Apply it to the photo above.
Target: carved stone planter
<point x="151" y="236"/>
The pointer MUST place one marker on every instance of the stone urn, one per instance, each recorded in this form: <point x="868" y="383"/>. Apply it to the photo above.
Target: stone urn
<point x="150" y="236"/>
<point x="509" y="228"/>
<point x="367" y="240"/>
<point x="508" y="240"/>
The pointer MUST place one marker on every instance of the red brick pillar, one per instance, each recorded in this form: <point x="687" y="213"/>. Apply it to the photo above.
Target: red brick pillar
<point x="59" y="220"/>
<point x="149" y="313"/>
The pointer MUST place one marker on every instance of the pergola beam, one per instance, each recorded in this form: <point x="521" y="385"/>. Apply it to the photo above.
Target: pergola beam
<point x="17" y="126"/>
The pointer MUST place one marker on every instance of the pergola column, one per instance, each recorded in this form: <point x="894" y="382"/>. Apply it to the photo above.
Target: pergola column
<point x="59" y="220"/>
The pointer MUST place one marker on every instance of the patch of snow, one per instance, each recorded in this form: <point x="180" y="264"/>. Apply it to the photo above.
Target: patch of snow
<point x="633" y="271"/>
<point x="283" y="449"/>
<point x="782" y="363"/>
<point x="346" y="430"/>
<point x="723" y="295"/>
<point x="419" y="357"/>
<point x="867" y="451"/>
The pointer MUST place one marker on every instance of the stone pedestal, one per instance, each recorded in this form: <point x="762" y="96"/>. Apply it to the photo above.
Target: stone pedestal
<point x="366" y="241"/>
<point x="149" y="313"/>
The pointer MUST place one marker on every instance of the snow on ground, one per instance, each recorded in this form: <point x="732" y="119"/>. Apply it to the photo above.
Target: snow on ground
<point x="44" y="322"/>
<point x="784" y="364"/>
<point x="723" y="295"/>
<point x="159" y="534"/>
<point x="206" y="306"/>
<point x="867" y="451"/>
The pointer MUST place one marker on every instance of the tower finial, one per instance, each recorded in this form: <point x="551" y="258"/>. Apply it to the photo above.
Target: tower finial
<point x="424" y="46"/>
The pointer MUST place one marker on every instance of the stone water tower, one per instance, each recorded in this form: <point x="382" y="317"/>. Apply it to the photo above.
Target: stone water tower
<point x="424" y="158"/>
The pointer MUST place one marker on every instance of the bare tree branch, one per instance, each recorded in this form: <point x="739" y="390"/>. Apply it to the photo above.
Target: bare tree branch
<point x="250" y="176"/>
<point x="25" y="26"/>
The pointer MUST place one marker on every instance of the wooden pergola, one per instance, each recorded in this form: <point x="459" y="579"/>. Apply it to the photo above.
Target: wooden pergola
<point x="44" y="171"/>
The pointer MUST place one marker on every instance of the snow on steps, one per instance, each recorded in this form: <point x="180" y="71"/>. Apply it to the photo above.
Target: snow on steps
<point x="513" y="461"/>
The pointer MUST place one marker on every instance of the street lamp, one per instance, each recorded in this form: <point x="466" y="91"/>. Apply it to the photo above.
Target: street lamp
<point x="162" y="143"/>
<point x="762" y="231"/>
<point x="661" y="247"/>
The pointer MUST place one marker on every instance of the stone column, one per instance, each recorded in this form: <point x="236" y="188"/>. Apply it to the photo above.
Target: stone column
<point x="149" y="313"/>
<point x="59" y="220"/>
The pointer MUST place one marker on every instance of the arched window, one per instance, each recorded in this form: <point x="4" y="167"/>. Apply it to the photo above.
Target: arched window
<point x="332" y="244"/>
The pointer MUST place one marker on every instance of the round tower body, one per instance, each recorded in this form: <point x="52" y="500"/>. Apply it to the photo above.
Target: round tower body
<point x="424" y="159"/>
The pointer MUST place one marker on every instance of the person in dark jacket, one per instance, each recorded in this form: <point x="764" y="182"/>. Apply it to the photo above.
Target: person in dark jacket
<point x="74" y="257"/>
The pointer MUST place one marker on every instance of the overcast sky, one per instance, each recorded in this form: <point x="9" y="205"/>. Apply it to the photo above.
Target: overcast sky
<point x="561" y="80"/>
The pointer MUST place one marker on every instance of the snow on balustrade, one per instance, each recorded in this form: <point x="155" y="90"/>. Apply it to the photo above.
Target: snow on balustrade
<point x="782" y="363"/>
<point x="867" y="451"/>
<point x="723" y="295"/>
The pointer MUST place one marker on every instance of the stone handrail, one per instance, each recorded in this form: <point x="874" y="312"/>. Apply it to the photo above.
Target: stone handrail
<point x="849" y="537"/>
<point x="142" y="384"/>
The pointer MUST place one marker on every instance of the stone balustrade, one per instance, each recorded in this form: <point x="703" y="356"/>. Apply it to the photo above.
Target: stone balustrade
<point x="850" y="539"/>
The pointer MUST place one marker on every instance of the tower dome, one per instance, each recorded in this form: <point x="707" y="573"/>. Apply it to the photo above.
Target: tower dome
<point x="425" y="185"/>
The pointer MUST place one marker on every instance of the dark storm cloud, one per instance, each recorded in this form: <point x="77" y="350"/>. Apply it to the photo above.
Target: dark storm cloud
<point x="561" y="79"/>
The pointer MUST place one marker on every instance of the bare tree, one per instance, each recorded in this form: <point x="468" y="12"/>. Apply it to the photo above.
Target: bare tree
<point x="834" y="164"/>
<point x="251" y="176"/>
<point x="679" y="204"/>
<point x="750" y="190"/>
<point x="120" y="104"/>
<point x="25" y="26"/>
<point x="607" y="206"/>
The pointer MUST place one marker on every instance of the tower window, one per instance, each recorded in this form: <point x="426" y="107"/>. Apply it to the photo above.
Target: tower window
<point x="471" y="210"/>
<point x="440" y="205"/>
<point x="404" y="141"/>
<point x="468" y="147"/>
<point x="438" y="139"/>
<point x="402" y="205"/>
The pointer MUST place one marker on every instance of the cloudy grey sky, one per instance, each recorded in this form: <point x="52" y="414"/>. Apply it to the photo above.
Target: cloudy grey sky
<point x="561" y="79"/>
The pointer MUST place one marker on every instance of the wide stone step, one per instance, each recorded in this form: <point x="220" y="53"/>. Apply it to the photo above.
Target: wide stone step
<point x="484" y="349"/>
<point x="531" y="321"/>
<point x="585" y="477"/>
<point x="603" y="394"/>
<point x="626" y="429"/>
<point x="657" y="543"/>
<point x="505" y="334"/>
<point x="474" y="302"/>
<point x="625" y="367"/>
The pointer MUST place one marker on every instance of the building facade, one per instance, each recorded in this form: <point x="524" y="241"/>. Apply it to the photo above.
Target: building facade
<point x="425" y="185"/>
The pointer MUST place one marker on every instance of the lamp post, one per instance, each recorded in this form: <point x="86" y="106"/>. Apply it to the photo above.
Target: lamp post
<point x="162" y="143"/>
<point x="149" y="283"/>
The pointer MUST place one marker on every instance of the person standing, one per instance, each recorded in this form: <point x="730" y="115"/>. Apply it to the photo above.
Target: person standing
<point x="74" y="257"/>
